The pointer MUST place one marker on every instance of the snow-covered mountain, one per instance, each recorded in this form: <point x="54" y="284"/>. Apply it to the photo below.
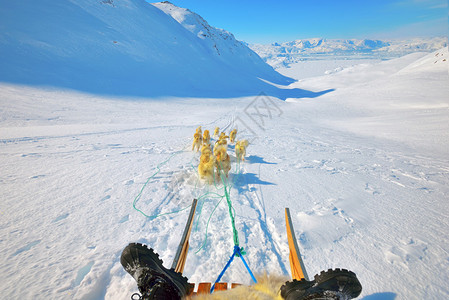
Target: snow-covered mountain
<point x="219" y="42"/>
<point x="126" y="47"/>
<point x="283" y="54"/>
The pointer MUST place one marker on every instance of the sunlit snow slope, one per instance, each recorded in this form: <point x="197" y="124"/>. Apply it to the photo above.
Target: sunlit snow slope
<point x="124" y="47"/>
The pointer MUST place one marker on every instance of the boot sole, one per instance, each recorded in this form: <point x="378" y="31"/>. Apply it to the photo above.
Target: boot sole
<point x="330" y="284"/>
<point x="138" y="255"/>
<point x="341" y="280"/>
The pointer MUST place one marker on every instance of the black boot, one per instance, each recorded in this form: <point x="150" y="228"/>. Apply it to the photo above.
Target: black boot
<point x="338" y="284"/>
<point x="153" y="279"/>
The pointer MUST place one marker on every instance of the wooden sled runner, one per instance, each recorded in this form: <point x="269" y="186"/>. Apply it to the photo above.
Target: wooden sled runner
<point x="296" y="263"/>
<point x="181" y="254"/>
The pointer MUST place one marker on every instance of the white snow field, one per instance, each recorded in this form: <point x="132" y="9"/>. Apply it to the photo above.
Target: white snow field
<point x="364" y="170"/>
<point x="99" y="102"/>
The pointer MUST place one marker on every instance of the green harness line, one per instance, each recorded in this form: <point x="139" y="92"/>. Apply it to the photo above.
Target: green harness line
<point x="226" y="189"/>
<point x="231" y="210"/>
<point x="137" y="198"/>
<point x="238" y="251"/>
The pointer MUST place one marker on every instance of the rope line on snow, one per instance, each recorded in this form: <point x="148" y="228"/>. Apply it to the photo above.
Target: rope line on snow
<point x="204" y="195"/>
<point x="238" y="251"/>
<point x="227" y="186"/>
<point x="139" y="195"/>
<point x="228" y="201"/>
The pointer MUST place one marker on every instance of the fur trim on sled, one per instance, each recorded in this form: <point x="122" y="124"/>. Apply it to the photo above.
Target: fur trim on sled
<point x="267" y="288"/>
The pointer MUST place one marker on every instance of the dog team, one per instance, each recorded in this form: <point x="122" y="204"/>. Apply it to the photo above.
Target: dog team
<point x="218" y="161"/>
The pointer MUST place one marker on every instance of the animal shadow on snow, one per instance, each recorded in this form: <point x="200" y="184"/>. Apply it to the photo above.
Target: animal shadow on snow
<point x="254" y="159"/>
<point x="380" y="296"/>
<point x="249" y="178"/>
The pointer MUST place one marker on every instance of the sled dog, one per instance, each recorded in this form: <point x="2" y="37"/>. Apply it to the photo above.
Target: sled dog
<point x="196" y="142"/>
<point x="240" y="149"/>
<point x="232" y="136"/>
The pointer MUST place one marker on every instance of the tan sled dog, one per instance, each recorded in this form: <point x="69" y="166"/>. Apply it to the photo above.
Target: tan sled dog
<point x="216" y="131"/>
<point x="232" y="136"/>
<point x="240" y="149"/>
<point x="220" y="144"/>
<point x="199" y="131"/>
<point x="223" y="136"/>
<point x="206" y="137"/>
<point x="206" y="149"/>
<point x="206" y="168"/>
<point x="196" y="142"/>
<point x="222" y="162"/>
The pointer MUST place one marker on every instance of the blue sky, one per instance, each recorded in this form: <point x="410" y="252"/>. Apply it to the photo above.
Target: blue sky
<point x="266" y="21"/>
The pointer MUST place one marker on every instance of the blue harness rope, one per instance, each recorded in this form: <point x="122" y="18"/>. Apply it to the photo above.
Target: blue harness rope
<point x="238" y="253"/>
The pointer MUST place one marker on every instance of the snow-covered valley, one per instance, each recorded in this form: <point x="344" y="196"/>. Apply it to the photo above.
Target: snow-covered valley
<point x="364" y="170"/>
<point x="95" y="152"/>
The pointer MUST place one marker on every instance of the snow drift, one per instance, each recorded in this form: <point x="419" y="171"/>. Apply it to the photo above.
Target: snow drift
<point x="125" y="48"/>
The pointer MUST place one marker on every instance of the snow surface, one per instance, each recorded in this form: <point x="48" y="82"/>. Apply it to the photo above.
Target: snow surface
<point x="358" y="152"/>
<point x="126" y="47"/>
<point x="364" y="170"/>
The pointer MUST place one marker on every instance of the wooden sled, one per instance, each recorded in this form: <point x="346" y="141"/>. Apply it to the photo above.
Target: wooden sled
<point x="296" y="263"/>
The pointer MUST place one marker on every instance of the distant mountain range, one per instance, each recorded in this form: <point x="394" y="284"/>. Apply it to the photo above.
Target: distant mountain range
<point x="283" y="54"/>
